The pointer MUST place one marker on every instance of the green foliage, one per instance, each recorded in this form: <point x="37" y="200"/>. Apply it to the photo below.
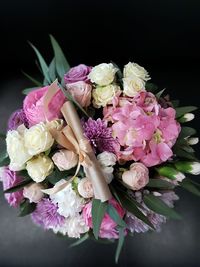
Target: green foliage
<point x="180" y="111"/>
<point x="191" y="186"/>
<point x="80" y="241"/>
<point x="120" y="243"/>
<point x="157" y="205"/>
<point x="98" y="211"/>
<point x="160" y="184"/>
<point x="26" y="208"/>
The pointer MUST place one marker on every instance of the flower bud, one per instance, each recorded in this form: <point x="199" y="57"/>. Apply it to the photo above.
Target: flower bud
<point x="187" y="117"/>
<point x="193" y="141"/>
<point x="188" y="167"/>
<point x="171" y="173"/>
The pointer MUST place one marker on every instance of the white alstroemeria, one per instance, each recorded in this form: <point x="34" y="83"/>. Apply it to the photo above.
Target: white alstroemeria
<point x="68" y="201"/>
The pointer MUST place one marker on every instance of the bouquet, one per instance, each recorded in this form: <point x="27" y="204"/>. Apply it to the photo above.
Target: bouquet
<point x="96" y="152"/>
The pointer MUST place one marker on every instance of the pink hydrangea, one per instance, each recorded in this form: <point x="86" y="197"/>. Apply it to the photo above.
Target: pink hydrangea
<point x="108" y="226"/>
<point x="9" y="179"/>
<point x="146" y="132"/>
<point x="34" y="106"/>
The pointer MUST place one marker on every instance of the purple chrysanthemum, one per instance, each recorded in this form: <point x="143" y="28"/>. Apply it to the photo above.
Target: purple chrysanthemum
<point x="100" y="135"/>
<point x="46" y="214"/>
<point x="17" y="118"/>
<point x="138" y="226"/>
<point x="9" y="179"/>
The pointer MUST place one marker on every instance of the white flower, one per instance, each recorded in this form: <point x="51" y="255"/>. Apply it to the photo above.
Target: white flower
<point x="38" y="139"/>
<point x="133" y="85"/>
<point x="69" y="203"/>
<point x="103" y="74"/>
<point x="104" y="95"/>
<point x="195" y="168"/>
<point x="188" y="117"/>
<point x="85" y="188"/>
<point x="17" y="151"/>
<point x="192" y="141"/>
<point x="39" y="168"/>
<point x="135" y="70"/>
<point x="33" y="192"/>
<point x="73" y="227"/>
<point x="107" y="159"/>
<point x="108" y="174"/>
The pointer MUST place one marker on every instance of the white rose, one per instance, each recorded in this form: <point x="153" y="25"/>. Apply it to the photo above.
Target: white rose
<point x="73" y="227"/>
<point x="133" y="85"/>
<point x="38" y="139"/>
<point x="107" y="159"/>
<point x="135" y="70"/>
<point x="33" y="192"/>
<point x="55" y="124"/>
<point x="39" y="168"/>
<point x="85" y="188"/>
<point x="68" y="201"/>
<point x="104" y="95"/>
<point x="103" y="74"/>
<point x="17" y="151"/>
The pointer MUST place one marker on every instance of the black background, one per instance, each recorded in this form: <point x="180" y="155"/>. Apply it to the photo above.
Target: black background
<point x="162" y="36"/>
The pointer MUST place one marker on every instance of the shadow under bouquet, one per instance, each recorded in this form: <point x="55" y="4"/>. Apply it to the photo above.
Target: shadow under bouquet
<point x="96" y="152"/>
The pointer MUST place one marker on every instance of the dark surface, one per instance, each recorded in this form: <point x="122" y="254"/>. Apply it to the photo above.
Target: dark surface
<point x="163" y="36"/>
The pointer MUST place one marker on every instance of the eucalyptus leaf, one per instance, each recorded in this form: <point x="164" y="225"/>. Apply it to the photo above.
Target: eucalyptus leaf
<point x="159" y="183"/>
<point x="158" y="95"/>
<point x="184" y="154"/>
<point x="186" y="131"/>
<point x="180" y="111"/>
<point x="191" y="186"/>
<point x="80" y="241"/>
<point x="58" y="175"/>
<point x="98" y="211"/>
<point x="131" y="206"/>
<point x="151" y="87"/>
<point x="18" y="186"/>
<point x="28" y="90"/>
<point x="157" y="205"/>
<point x="26" y="208"/>
<point x="115" y="216"/>
<point x="43" y="64"/>
<point x="120" y="243"/>
<point x="52" y="70"/>
<point x="62" y="65"/>
<point x="33" y="80"/>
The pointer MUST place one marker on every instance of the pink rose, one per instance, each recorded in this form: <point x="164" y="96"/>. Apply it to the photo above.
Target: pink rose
<point x="81" y="92"/>
<point x="65" y="159"/>
<point x="137" y="177"/>
<point x="85" y="188"/>
<point x="78" y="73"/>
<point x="34" y="106"/>
<point x="33" y="192"/>
<point x="108" y="226"/>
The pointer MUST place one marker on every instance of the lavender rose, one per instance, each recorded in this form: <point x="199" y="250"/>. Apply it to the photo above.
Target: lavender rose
<point x="78" y="73"/>
<point x="16" y="119"/>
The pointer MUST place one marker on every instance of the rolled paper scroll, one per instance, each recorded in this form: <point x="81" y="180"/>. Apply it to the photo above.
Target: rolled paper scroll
<point x="92" y="170"/>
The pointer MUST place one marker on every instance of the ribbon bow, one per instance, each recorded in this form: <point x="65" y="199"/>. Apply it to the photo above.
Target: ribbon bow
<point x="72" y="138"/>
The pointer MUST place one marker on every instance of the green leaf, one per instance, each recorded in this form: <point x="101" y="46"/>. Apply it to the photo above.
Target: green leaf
<point x="186" y="131"/>
<point x="120" y="244"/>
<point x="158" y="95"/>
<point x="175" y="103"/>
<point x="37" y="83"/>
<point x="58" y="175"/>
<point x="191" y="186"/>
<point x="2" y="136"/>
<point x="131" y="206"/>
<point x="3" y="155"/>
<point x="52" y="70"/>
<point x="178" y="151"/>
<point x="26" y="208"/>
<point x="18" y="186"/>
<point x="151" y="87"/>
<point x="5" y="162"/>
<point x="24" y="174"/>
<point x="98" y="212"/>
<point x="43" y="64"/>
<point x="28" y="90"/>
<point x="158" y="206"/>
<point x="62" y="66"/>
<point x="183" y="110"/>
<point x="70" y="98"/>
<point x="159" y="183"/>
<point x="115" y="216"/>
<point x="80" y="241"/>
